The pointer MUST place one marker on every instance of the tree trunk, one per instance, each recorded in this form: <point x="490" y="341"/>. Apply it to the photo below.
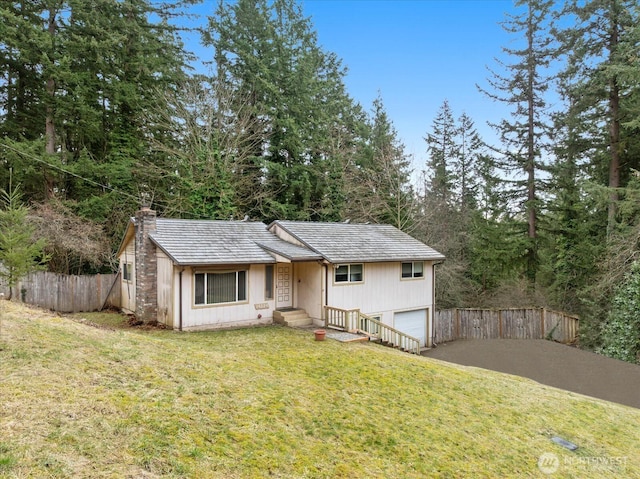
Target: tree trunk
<point x="50" y="129"/>
<point x="614" y="162"/>
<point x="614" y="132"/>
<point x="532" y="255"/>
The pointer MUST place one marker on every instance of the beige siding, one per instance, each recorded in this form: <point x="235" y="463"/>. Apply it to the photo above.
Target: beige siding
<point x="165" y="289"/>
<point x="256" y="310"/>
<point x="383" y="292"/>
<point x="309" y="288"/>
<point x="128" y="288"/>
<point x="282" y="234"/>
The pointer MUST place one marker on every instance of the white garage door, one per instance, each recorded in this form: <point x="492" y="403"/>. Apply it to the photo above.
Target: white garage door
<point x="413" y="323"/>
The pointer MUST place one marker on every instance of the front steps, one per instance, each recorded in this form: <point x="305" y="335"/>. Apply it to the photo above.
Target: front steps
<point x="292" y="317"/>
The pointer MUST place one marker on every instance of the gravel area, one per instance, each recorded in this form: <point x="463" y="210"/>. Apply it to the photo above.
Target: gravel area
<point x="549" y="363"/>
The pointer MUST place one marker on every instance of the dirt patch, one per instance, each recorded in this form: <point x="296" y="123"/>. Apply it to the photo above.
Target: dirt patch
<point x="549" y="363"/>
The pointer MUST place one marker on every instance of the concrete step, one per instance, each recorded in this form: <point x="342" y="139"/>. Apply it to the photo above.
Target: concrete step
<point x="292" y="317"/>
<point x="298" y="315"/>
<point x="299" y="323"/>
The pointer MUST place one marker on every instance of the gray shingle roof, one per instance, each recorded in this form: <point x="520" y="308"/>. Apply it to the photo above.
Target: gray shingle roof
<point x="347" y="242"/>
<point x="201" y="242"/>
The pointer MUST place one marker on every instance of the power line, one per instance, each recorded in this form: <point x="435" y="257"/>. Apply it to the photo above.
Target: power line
<point x="88" y="180"/>
<point x="59" y="168"/>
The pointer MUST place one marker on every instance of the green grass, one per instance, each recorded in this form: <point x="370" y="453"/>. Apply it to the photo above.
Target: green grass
<point x="107" y="319"/>
<point x="82" y="401"/>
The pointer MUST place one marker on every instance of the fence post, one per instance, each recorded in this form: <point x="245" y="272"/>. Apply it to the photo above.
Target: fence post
<point x="500" y="323"/>
<point x="542" y="313"/>
<point x="457" y="316"/>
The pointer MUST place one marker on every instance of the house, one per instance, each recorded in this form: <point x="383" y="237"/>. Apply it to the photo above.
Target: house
<point x="202" y="274"/>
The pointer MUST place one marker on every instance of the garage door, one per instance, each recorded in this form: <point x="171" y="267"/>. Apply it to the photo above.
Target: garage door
<point x="413" y="323"/>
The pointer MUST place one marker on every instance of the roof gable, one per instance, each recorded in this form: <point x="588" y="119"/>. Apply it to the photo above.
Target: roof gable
<point x="350" y="242"/>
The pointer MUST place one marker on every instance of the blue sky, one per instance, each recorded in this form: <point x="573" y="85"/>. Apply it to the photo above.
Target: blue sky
<point x="416" y="54"/>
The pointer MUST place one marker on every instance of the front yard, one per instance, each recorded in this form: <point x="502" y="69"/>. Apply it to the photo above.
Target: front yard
<point x="81" y="401"/>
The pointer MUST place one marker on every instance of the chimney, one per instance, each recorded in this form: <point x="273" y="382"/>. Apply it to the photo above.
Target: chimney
<point x="146" y="269"/>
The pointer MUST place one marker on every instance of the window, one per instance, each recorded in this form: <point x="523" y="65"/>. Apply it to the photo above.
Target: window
<point x="371" y="327"/>
<point x="413" y="270"/>
<point x="127" y="271"/>
<point x="224" y="287"/>
<point x="349" y="273"/>
<point x="268" y="281"/>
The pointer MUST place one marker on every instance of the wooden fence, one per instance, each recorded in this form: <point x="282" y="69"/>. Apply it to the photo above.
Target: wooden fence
<point x="67" y="293"/>
<point x="513" y="323"/>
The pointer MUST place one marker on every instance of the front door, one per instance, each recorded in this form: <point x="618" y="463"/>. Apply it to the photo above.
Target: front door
<point x="284" y="286"/>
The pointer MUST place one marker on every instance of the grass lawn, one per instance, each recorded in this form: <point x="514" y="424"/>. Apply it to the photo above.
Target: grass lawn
<point x="83" y="401"/>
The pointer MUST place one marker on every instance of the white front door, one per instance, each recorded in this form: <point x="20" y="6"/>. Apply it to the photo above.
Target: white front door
<point x="284" y="286"/>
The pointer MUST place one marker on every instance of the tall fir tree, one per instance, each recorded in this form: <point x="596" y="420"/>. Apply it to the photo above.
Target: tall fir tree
<point x="442" y="150"/>
<point x="379" y="188"/>
<point x="523" y="88"/>
<point x="574" y="221"/>
<point x="466" y="162"/>
<point x="604" y="74"/>
<point x="93" y="71"/>
<point x="269" y="52"/>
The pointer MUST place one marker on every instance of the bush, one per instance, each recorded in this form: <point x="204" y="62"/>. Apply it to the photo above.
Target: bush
<point x="621" y="332"/>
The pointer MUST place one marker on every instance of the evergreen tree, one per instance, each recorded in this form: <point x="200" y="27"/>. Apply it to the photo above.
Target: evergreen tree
<point x="466" y="163"/>
<point x="442" y="150"/>
<point x="79" y="77"/>
<point x="380" y="189"/>
<point x="574" y="221"/>
<point x="19" y="253"/>
<point x="268" y="51"/>
<point x="523" y="88"/>
<point x="604" y="80"/>
<point x="443" y="219"/>
<point x="495" y="241"/>
<point x="21" y="86"/>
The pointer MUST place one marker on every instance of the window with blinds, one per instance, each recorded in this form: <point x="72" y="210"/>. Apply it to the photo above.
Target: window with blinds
<point x="220" y="287"/>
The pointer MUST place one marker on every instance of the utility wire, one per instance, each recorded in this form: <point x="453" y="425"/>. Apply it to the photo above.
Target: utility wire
<point x="59" y="168"/>
<point x="88" y="180"/>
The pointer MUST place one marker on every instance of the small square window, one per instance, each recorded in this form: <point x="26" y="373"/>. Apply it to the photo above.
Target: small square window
<point x="413" y="270"/>
<point x="349" y="273"/>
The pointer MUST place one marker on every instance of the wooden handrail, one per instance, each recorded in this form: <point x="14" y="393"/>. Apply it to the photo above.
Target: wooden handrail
<point x="388" y="334"/>
<point x="354" y="320"/>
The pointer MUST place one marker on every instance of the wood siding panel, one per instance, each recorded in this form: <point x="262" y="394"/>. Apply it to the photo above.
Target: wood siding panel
<point x="230" y="315"/>
<point x="382" y="292"/>
<point x="308" y="288"/>
<point x="165" y="289"/>
<point x="128" y="288"/>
